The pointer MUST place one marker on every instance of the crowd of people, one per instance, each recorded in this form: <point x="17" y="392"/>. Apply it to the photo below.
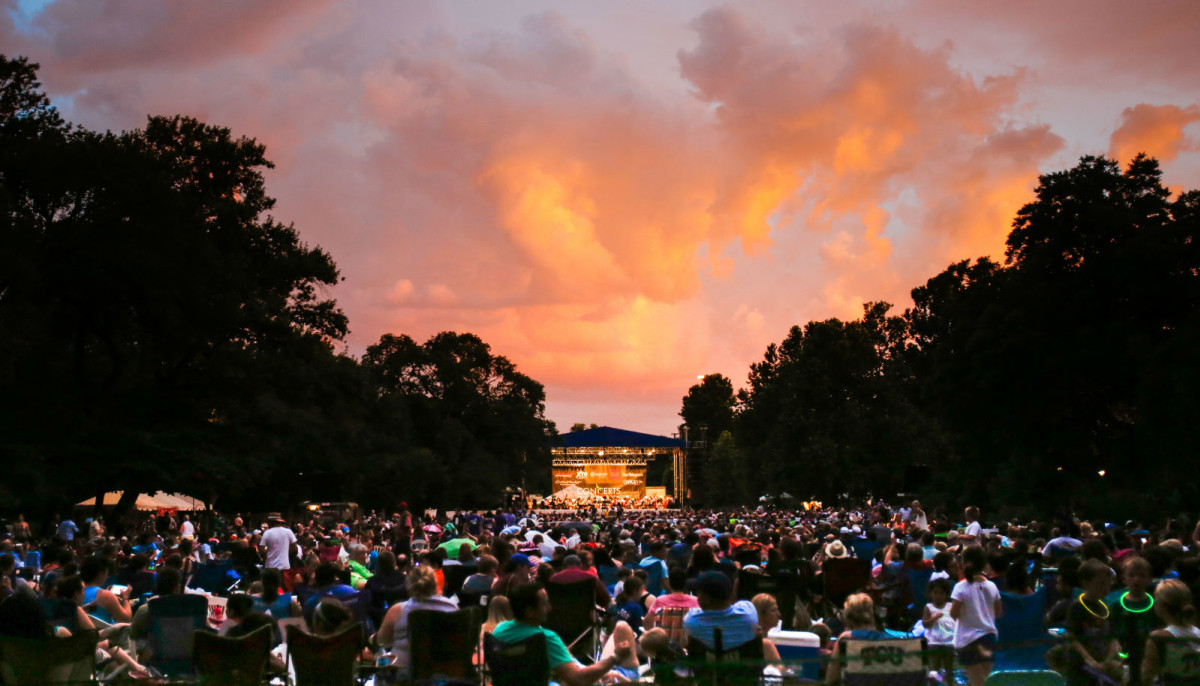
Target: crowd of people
<point x="662" y="583"/>
<point x="606" y="503"/>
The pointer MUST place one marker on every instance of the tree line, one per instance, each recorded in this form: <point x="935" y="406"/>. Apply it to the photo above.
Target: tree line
<point x="1067" y="376"/>
<point x="160" y="329"/>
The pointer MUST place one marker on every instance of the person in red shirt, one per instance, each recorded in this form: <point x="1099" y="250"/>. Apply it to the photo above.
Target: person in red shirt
<point x="573" y="572"/>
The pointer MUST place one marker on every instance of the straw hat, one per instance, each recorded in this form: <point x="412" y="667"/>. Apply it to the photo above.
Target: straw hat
<point x="836" y="550"/>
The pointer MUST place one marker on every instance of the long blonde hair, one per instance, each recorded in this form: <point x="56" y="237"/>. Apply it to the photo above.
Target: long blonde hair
<point x="499" y="610"/>
<point x="1175" y="598"/>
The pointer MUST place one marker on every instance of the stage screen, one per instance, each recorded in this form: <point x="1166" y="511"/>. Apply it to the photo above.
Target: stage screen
<point x="603" y="479"/>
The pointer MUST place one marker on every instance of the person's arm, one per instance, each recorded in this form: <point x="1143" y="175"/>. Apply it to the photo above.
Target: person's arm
<point x="1152" y="661"/>
<point x="116" y="606"/>
<point x="955" y="609"/>
<point x="572" y="674"/>
<point x="387" y="628"/>
<point x="928" y="619"/>
<point x="82" y="621"/>
<point x="833" y="674"/>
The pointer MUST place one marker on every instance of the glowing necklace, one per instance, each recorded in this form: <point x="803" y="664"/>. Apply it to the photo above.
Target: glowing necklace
<point x="1129" y="609"/>
<point x="1084" y="604"/>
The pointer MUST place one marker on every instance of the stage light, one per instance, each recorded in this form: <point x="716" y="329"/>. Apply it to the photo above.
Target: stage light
<point x="1101" y="472"/>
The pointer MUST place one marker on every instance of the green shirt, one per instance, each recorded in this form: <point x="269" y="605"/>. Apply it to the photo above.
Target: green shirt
<point x="515" y="632"/>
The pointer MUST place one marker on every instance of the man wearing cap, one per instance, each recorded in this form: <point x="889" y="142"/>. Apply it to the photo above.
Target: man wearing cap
<point x="738" y="621"/>
<point x="278" y="540"/>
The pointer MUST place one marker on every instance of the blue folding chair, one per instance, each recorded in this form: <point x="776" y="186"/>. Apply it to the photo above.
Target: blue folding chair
<point x="215" y="577"/>
<point x="918" y="580"/>
<point x="1022" y="631"/>
<point x="864" y="549"/>
<point x="173" y="620"/>
<point x="33" y="560"/>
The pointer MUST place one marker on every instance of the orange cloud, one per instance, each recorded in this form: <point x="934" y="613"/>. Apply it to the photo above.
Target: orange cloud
<point x="1157" y="130"/>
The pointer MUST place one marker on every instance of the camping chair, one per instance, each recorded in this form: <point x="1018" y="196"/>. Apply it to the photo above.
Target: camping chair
<point x="1022" y="627"/>
<point x="517" y="664"/>
<point x="750" y="583"/>
<point x="455" y="575"/>
<point x="324" y="660"/>
<point x="671" y="620"/>
<point x="214" y="577"/>
<point x="1180" y="661"/>
<point x="864" y="549"/>
<point x="742" y="664"/>
<point x="574" y="617"/>
<point x="843" y="576"/>
<point x="443" y="643"/>
<point x="359" y="604"/>
<point x="1040" y="677"/>
<point x="48" y="660"/>
<point x="234" y="661"/>
<point x="33" y="560"/>
<point x="61" y="612"/>
<point x="918" y="582"/>
<point x="890" y="662"/>
<point x="174" y="619"/>
<point x="654" y="577"/>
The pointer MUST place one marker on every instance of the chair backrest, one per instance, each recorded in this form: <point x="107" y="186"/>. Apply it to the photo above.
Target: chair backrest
<point x="724" y="666"/>
<point x="48" y="660"/>
<point x="324" y="660"/>
<point x="574" y="609"/>
<point x="236" y="661"/>
<point x="844" y="576"/>
<point x="173" y="621"/>
<point x="61" y="612"/>
<point x="918" y="580"/>
<point x="517" y="664"/>
<point x="670" y="619"/>
<point x="891" y="662"/>
<point x="33" y="560"/>
<point x="864" y="549"/>
<point x="1040" y="677"/>
<point x="359" y="604"/>
<point x="443" y="642"/>
<point x="1180" y="661"/>
<point x="211" y="577"/>
<point x="1022" y="626"/>
<point x="608" y="575"/>
<point x="454" y="576"/>
<point x="750" y="583"/>
<point x="654" y="577"/>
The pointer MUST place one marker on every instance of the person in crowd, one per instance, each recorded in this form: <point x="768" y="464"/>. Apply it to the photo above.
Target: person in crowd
<point x="1173" y="603"/>
<point x="976" y="605"/>
<point x="393" y="631"/>
<point x="517" y="571"/>
<point x="331" y="616"/>
<point x="326" y="585"/>
<point x="738" y="621"/>
<point x="572" y="572"/>
<point x="1093" y="649"/>
<point x="279" y="541"/>
<point x="628" y="606"/>
<point x="939" y="627"/>
<point x="481" y="582"/>
<point x="499" y="611"/>
<point x="858" y="613"/>
<point x="357" y="564"/>
<point x="973" y="534"/>
<point x="274" y="599"/>
<point x="769" y="617"/>
<point x="1133" y="618"/>
<point x="103" y="604"/>
<point x="531" y="607"/>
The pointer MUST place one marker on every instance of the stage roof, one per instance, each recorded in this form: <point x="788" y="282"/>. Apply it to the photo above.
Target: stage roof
<point x="608" y="437"/>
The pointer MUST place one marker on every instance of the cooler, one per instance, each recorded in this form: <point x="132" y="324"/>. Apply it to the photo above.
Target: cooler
<point x="799" y="645"/>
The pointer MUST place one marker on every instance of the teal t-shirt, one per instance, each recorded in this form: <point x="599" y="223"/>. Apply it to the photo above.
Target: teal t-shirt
<point x="515" y="632"/>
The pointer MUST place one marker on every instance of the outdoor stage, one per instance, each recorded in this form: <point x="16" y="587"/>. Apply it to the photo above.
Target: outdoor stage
<point x="612" y="463"/>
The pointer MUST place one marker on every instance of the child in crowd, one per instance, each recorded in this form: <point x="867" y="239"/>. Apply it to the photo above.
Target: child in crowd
<point x="1173" y="604"/>
<point x="939" y="627"/>
<point x="1093" y="652"/>
<point x="976" y="604"/>
<point x="1133" y="618"/>
<point x="623" y="574"/>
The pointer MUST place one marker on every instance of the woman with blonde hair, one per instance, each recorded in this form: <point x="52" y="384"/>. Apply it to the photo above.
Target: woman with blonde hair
<point x="859" y="616"/>
<point x="1173" y="603"/>
<point x="768" y="618"/>
<point x="393" y="631"/>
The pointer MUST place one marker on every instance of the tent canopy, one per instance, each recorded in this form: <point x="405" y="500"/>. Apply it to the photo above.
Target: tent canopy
<point x="148" y="502"/>
<point x="572" y="491"/>
<point x="608" y="437"/>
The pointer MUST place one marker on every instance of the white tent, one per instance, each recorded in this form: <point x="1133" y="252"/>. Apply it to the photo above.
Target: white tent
<point x="148" y="502"/>
<point x="573" y="491"/>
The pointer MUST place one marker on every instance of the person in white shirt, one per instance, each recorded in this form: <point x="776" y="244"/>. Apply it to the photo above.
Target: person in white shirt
<point x="975" y="607"/>
<point x="278" y="540"/>
<point x="973" y="534"/>
<point x="187" y="529"/>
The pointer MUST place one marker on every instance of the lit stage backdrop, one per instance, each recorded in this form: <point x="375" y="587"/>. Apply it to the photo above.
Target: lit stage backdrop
<point x="623" y="477"/>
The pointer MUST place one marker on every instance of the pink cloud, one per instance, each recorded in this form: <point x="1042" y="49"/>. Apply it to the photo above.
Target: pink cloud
<point x="1157" y="130"/>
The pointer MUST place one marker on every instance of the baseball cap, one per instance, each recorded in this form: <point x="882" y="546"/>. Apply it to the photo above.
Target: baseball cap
<point x="521" y="559"/>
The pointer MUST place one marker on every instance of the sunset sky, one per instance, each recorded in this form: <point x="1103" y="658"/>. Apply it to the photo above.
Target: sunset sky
<point x="622" y="195"/>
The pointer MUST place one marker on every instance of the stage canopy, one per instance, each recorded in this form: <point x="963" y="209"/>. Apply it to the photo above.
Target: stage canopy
<point x="146" y="501"/>
<point x="608" y="437"/>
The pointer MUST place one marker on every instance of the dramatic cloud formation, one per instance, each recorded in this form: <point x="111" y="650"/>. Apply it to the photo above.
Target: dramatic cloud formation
<point x="620" y="200"/>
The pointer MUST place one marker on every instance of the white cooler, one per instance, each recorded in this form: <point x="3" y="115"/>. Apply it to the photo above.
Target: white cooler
<point x="799" y="645"/>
